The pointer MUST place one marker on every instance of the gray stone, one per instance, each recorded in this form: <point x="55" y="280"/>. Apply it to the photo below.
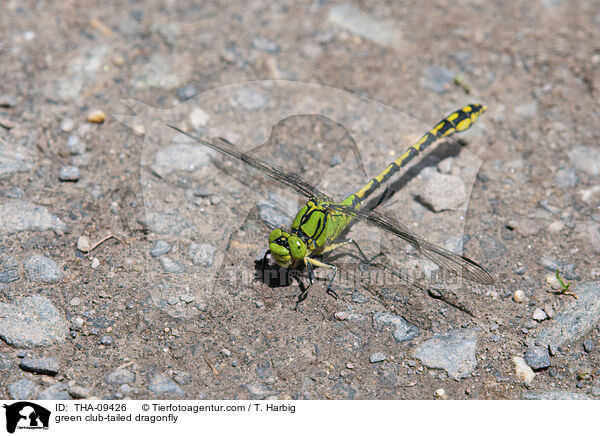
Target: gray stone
<point x="106" y="340"/>
<point x="403" y="330"/>
<point x="160" y="247"/>
<point x="14" y="192"/>
<point x="6" y="362"/>
<point x="591" y="234"/>
<point x="377" y="357"/>
<point x="17" y="216"/>
<point x="40" y="365"/>
<point x="57" y="391"/>
<point x="9" y="275"/>
<point x="119" y="376"/>
<point x="537" y="358"/>
<point x="180" y="157"/>
<point x="68" y="173"/>
<point x="359" y="298"/>
<point x="349" y="17"/>
<point x="160" y="384"/>
<point x="575" y="321"/>
<point x="266" y="45"/>
<point x="75" y="146"/>
<point x="186" y="92"/>
<point x="7" y="101"/>
<point x="182" y="377"/>
<point x="273" y="216"/>
<point x="443" y="192"/>
<point x="566" y="178"/>
<point x="170" y="31"/>
<point x="32" y="322"/>
<point x="14" y="159"/>
<point x="437" y="79"/>
<point x="171" y="266"/>
<point x="169" y="223"/>
<point x="250" y="98"/>
<point x="539" y="314"/>
<point x="78" y="392"/>
<point x="586" y="159"/>
<point x="588" y="346"/>
<point x="453" y="352"/>
<point x="42" y="269"/>
<point x="22" y="389"/>
<point x="554" y="395"/>
<point x="202" y="254"/>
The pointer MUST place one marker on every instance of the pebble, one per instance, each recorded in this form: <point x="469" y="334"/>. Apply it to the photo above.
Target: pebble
<point x="161" y="384"/>
<point x="22" y="389"/>
<point x="186" y="92"/>
<point x="566" y="178"/>
<point x="96" y="116"/>
<point x="42" y="269"/>
<point x="522" y="371"/>
<point x="68" y="173"/>
<point x="266" y="45"/>
<point x="202" y="254"/>
<point x="403" y="330"/>
<point x="441" y="393"/>
<point x="539" y="314"/>
<point x="519" y="296"/>
<point x="377" y="357"/>
<point x="75" y="146"/>
<point x="250" y="98"/>
<point x="83" y="244"/>
<point x="95" y="263"/>
<point x="67" y="125"/>
<point x="169" y="31"/>
<point x="351" y="18"/>
<point x="443" y="192"/>
<point x="17" y="216"/>
<point x="7" y="101"/>
<point x="9" y="275"/>
<point x="591" y="235"/>
<point x="437" y="79"/>
<point x="586" y="159"/>
<point x="119" y="376"/>
<point x="182" y="377"/>
<point x="75" y="301"/>
<point x="359" y="298"/>
<point x="57" y="391"/>
<point x="273" y="216"/>
<point x="537" y="358"/>
<point x="40" y="365"/>
<point x="525" y="227"/>
<point x="348" y="316"/>
<point x="445" y="165"/>
<point x="32" y="321"/>
<point x="198" y="118"/>
<point x="555" y="226"/>
<point x="106" y="340"/>
<point x="160" y="247"/>
<point x="171" y="266"/>
<point x="575" y="321"/>
<point x="588" y="346"/>
<point x="453" y="352"/>
<point x="595" y="391"/>
<point x="78" y="392"/>
<point x="180" y="157"/>
<point x="187" y="298"/>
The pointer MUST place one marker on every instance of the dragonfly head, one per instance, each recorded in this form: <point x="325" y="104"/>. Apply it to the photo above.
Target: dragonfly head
<point x="286" y="249"/>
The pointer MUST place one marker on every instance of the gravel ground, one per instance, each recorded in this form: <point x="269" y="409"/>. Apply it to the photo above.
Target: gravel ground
<point x="113" y="228"/>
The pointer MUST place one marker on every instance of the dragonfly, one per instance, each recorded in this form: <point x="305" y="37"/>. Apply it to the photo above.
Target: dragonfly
<point x="317" y="227"/>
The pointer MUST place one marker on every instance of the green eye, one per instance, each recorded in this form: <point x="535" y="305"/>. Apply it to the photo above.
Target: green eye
<point x="275" y="234"/>
<point x="297" y="247"/>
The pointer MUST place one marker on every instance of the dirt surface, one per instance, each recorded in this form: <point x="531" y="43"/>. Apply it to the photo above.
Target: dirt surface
<point x="360" y="81"/>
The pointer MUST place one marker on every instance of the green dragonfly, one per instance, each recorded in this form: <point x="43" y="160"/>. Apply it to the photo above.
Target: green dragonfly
<point x="317" y="226"/>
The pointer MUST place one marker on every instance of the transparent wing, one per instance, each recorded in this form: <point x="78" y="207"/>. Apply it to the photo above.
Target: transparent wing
<point x="281" y="175"/>
<point x="446" y="259"/>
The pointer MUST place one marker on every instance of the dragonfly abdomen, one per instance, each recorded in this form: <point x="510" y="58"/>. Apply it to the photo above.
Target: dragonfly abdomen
<point x="457" y="121"/>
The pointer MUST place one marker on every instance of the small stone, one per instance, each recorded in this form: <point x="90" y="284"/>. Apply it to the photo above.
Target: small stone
<point x="95" y="263"/>
<point x="67" y="125"/>
<point x="83" y="244"/>
<point x="57" y="391"/>
<point x="555" y="226"/>
<point x="359" y="298"/>
<point x="40" y="365"/>
<point x="78" y="392"/>
<point x="202" y="254"/>
<point x="14" y="192"/>
<point x="41" y="269"/>
<point x="403" y="330"/>
<point x="96" y="116"/>
<point x="75" y="146"/>
<point x="441" y="393"/>
<point x="198" y="118"/>
<point x="566" y="178"/>
<point x="22" y="389"/>
<point x="75" y="301"/>
<point x="522" y="371"/>
<point x="119" y="376"/>
<point x="453" y="352"/>
<point x="586" y="159"/>
<point x="10" y="275"/>
<point x="182" y="377"/>
<point x="187" y="298"/>
<point x="161" y="384"/>
<point x="17" y="216"/>
<point x="186" y="92"/>
<point x="443" y="192"/>
<point x="519" y="296"/>
<point x="7" y="101"/>
<point x="537" y="358"/>
<point x="171" y="266"/>
<point x="437" y="79"/>
<point x="539" y="314"/>
<point x="160" y="247"/>
<point x="377" y="357"/>
<point x="68" y="174"/>
<point x="445" y="166"/>
<point x="106" y="340"/>
<point x="588" y="346"/>
<point x="225" y="352"/>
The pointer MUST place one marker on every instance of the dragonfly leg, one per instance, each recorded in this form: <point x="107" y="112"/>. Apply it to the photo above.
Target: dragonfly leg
<point x="316" y="262"/>
<point x="304" y="293"/>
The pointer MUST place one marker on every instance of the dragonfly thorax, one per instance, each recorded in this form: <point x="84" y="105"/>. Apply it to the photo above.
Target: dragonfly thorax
<point x="287" y="249"/>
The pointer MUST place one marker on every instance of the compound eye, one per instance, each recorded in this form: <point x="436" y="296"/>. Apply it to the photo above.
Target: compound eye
<point x="275" y="234"/>
<point x="297" y="247"/>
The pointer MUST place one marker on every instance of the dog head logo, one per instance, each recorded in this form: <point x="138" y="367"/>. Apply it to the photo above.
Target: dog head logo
<point x="24" y="414"/>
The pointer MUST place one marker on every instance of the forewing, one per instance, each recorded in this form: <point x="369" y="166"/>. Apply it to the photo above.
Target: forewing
<point x="279" y="174"/>
<point x="446" y="259"/>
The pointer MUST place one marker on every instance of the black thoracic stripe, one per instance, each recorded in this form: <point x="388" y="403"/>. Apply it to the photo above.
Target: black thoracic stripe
<point x="322" y="226"/>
